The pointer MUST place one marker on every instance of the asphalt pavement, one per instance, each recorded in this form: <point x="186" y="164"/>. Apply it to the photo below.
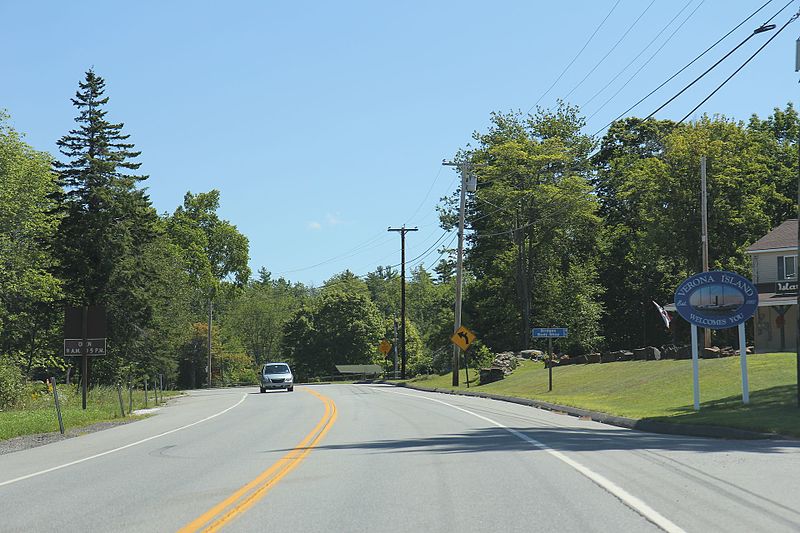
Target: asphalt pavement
<point x="349" y="458"/>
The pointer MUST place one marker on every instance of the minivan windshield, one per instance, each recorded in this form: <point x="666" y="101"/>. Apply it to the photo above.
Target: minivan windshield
<point x="276" y="369"/>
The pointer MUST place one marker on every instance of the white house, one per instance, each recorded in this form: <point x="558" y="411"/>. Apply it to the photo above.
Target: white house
<point x="774" y="259"/>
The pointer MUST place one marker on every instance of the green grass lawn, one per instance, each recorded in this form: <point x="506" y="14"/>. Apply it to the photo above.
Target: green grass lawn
<point x="662" y="390"/>
<point x="38" y="415"/>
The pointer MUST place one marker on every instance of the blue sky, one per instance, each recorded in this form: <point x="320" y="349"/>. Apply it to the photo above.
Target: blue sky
<point x="323" y="123"/>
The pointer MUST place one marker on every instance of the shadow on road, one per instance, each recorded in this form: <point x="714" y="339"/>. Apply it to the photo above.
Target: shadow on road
<point x="490" y="439"/>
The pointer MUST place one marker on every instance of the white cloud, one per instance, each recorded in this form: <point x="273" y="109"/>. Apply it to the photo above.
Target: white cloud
<point x="328" y="221"/>
<point x="333" y="220"/>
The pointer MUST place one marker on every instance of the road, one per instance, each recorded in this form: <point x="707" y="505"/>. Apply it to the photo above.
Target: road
<point x="350" y="458"/>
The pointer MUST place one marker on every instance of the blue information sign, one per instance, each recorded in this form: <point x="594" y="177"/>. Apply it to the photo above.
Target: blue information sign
<point x="549" y="332"/>
<point x="716" y="300"/>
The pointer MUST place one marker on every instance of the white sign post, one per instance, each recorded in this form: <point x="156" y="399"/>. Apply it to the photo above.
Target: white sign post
<point x="743" y="361"/>
<point x="695" y="370"/>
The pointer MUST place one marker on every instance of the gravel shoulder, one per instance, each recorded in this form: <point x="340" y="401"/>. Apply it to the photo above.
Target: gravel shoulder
<point x="24" y="442"/>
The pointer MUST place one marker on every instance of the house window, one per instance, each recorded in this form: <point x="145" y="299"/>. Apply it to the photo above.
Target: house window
<point x="787" y="267"/>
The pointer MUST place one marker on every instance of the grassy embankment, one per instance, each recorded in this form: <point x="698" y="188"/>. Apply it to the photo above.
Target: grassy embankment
<point x="661" y="390"/>
<point x="37" y="413"/>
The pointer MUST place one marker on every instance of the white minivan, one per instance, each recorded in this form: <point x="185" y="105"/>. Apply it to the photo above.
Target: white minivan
<point x="276" y="376"/>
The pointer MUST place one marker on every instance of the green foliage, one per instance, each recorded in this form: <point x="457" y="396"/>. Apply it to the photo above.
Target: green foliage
<point x="213" y="248"/>
<point x="648" y="185"/>
<point x="257" y="317"/>
<point x="480" y="356"/>
<point x="28" y="224"/>
<point x="237" y="368"/>
<point x="418" y="358"/>
<point x="12" y="383"/>
<point x="536" y="229"/>
<point x="338" y="328"/>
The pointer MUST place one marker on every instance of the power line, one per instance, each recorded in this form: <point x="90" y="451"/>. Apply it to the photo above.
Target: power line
<point x="558" y="196"/>
<point x="612" y="48"/>
<point x="439" y="173"/>
<point x="432" y="246"/>
<point x="632" y="61"/>
<point x="760" y="29"/>
<point x="350" y="253"/>
<point x="735" y="72"/>
<point x="690" y="63"/>
<point x="597" y="29"/>
<point x="649" y="59"/>
<point x="447" y="250"/>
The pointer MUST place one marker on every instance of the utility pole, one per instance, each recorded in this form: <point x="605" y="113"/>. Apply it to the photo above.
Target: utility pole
<point x="84" y="358"/>
<point x="403" y="230"/>
<point x="210" y="315"/>
<point x="467" y="182"/>
<point x="797" y="333"/>
<point x="704" y="216"/>
<point x="394" y="347"/>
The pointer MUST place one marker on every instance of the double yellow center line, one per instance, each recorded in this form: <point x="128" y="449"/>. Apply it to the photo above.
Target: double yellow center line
<point x="245" y="497"/>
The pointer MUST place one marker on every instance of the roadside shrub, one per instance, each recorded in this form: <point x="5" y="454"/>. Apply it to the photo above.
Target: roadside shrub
<point x="481" y="356"/>
<point x="12" y="384"/>
<point x="239" y="368"/>
<point x="419" y="363"/>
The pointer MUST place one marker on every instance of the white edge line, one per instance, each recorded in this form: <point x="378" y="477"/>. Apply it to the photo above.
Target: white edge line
<point x="627" y="498"/>
<point x="107" y="452"/>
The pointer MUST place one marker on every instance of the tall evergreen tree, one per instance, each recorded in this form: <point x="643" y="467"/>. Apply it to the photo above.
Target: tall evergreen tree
<point x="105" y="213"/>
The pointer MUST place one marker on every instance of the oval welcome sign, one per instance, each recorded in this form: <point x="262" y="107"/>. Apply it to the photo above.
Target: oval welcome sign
<point x="716" y="300"/>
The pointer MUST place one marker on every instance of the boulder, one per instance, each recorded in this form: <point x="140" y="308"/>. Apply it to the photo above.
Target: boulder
<point x="593" y="358"/>
<point x="488" y="375"/>
<point x="507" y="361"/>
<point x="535" y="355"/>
<point x="648" y="353"/>
<point x="683" y="352"/>
<point x="728" y="351"/>
<point x="712" y="352"/>
<point x="618" y="355"/>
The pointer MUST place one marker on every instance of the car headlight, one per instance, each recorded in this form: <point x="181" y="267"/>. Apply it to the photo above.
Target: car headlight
<point x="290" y="378"/>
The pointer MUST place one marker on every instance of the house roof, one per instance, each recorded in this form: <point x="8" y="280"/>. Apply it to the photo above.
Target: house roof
<point x="784" y="236"/>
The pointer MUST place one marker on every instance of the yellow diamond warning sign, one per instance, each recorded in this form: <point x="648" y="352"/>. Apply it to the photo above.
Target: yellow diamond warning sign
<point x="463" y="338"/>
<point x="385" y="346"/>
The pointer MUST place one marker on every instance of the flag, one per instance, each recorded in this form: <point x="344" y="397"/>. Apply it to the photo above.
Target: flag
<point x="664" y="315"/>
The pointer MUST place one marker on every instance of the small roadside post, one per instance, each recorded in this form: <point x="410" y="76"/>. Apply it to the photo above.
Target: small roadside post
<point x="549" y="334"/>
<point x="58" y="406"/>
<point x="119" y="394"/>
<point x="549" y="364"/>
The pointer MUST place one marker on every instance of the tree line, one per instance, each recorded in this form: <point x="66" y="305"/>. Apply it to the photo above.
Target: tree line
<point x="563" y="230"/>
